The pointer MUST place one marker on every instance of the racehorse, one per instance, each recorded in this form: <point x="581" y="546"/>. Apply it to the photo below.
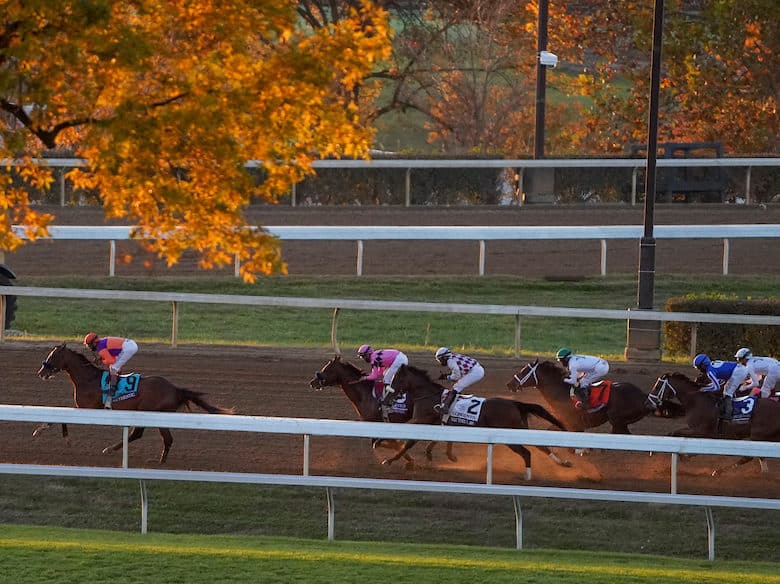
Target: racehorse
<point x="425" y="396"/>
<point x="755" y="419"/>
<point x="361" y="394"/>
<point x="626" y="405"/>
<point x="155" y="394"/>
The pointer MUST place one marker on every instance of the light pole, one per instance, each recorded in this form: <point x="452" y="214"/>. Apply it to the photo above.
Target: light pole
<point x="644" y="337"/>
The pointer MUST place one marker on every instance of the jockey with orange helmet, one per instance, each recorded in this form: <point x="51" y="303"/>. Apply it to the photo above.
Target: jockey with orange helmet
<point x="385" y="363"/>
<point x="114" y="352"/>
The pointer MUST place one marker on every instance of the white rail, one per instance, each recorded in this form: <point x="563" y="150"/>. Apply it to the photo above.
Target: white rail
<point x="338" y="304"/>
<point x="310" y="427"/>
<point x="442" y="233"/>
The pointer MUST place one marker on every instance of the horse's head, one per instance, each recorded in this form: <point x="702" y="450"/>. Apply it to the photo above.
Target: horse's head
<point x="526" y="377"/>
<point x="334" y="372"/>
<point x="662" y="391"/>
<point x="54" y="362"/>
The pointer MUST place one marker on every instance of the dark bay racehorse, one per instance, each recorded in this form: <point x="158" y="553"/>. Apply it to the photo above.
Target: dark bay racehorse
<point x="761" y="417"/>
<point x="627" y="403"/>
<point x="155" y="394"/>
<point x="425" y="397"/>
<point x="344" y="374"/>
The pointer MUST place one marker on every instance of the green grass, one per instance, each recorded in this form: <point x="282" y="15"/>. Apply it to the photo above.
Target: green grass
<point x="54" y="318"/>
<point x="62" y="555"/>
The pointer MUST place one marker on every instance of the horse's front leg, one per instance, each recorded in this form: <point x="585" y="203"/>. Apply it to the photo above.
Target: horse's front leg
<point x="47" y="425"/>
<point x="135" y="434"/>
<point x="402" y="452"/>
<point x="554" y="457"/>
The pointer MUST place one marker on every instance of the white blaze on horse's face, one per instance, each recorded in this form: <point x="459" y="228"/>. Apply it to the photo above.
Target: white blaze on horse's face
<point x="522" y="379"/>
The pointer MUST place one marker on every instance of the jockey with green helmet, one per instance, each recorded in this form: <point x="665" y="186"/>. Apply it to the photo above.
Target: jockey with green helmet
<point x="582" y="372"/>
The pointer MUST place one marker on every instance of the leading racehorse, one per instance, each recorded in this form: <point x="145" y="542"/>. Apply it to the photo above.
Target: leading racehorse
<point x="151" y="393"/>
<point x="361" y="394"/>
<point x="753" y="418"/>
<point x="625" y="405"/>
<point x="424" y="396"/>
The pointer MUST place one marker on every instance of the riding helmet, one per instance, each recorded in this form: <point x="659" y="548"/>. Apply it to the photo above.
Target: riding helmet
<point x="743" y="354"/>
<point x="563" y="353"/>
<point x="701" y="360"/>
<point x="89" y="339"/>
<point x="364" y="352"/>
<point x="442" y="355"/>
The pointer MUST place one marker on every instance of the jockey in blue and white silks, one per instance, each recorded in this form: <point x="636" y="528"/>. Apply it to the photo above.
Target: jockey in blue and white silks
<point x="731" y="373"/>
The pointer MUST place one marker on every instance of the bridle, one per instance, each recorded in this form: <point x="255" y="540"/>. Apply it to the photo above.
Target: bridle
<point x="657" y="395"/>
<point x="49" y="367"/>
<point x="521" y="381"/>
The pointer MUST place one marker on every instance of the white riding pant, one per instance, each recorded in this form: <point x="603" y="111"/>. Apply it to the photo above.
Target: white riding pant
<point x="770" y="381"/>
<point x="477" y="373"/>
<point x="129" y="348"/>
<point x="390" y="372"/>
<point x="595" y="375"/>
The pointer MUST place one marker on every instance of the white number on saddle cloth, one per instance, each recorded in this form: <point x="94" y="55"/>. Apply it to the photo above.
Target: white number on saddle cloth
<point x="399" y="405"/>
<point x="742" y="408"/>
<point x="465" y="411"/>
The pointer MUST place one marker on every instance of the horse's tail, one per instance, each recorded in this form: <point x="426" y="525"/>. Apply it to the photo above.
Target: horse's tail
<point x="196" y="397"/>
<point x="540" y="412"/>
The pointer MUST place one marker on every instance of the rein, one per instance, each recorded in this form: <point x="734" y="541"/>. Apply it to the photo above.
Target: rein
<point x="658" y="393"/>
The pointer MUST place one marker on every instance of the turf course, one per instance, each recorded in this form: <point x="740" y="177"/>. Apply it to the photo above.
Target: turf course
<point x="67" y="555"/>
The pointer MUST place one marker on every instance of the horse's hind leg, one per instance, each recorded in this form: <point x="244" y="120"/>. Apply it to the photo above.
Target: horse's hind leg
<point x="744" y="460"/>
<point x="554" y="457"/>
<point x="167" y="441"/>
<point x="47" y="425"/>
<point x="135" y="434"/>
<point x="524" y="452"/>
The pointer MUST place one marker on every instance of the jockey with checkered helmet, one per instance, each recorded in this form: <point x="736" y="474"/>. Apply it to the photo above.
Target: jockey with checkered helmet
<point x="464" y="371"/>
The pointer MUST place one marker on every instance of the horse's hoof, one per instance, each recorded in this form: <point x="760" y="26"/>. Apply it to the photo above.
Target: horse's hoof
<point x="716" y="473"/>
<point x="387" y="462"/>
<point x="107" y="450"/>
<point x="453" y="458"/>
<point x="566" y="463"/>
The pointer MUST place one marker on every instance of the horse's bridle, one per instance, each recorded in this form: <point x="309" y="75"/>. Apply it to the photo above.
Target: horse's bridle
<point x="657" y="395"/>
<point x="521" y="381"/>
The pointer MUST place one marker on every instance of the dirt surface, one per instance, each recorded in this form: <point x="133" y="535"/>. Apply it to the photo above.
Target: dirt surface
<point x="272" y="382"/>
<point x="268" y="382"/>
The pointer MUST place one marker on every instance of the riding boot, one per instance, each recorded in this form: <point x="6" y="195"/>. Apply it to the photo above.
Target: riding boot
<point x="388" y="396"/>
<point x="727" y="407"/>
<point x="111" y="391"/>
<point x="583" y="394"/>
<point x="445" y="408"/>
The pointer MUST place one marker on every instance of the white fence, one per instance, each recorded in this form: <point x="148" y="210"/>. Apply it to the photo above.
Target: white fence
<point x="519" y="165"/>
<point x="482" y="234"/>
<point x="309" y="428"/>
<point x="339" y="304"/>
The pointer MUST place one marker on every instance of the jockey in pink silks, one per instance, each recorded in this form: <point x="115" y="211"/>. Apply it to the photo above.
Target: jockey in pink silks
<point x="385" y="363"/>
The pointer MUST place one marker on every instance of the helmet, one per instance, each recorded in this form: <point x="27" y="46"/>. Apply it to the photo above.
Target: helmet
<point x="701" y="360"/>
<point x="743" y="354"/>
<point x="442" y="354"/>
<point x="89" y="339"/>
<point x="563" y="354"/>
<point x="364" y="352"/>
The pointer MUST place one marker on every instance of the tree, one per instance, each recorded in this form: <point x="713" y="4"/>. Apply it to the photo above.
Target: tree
<point x="168" y="100"/>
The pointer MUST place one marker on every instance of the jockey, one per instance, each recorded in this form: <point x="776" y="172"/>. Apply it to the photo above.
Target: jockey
<point x="114" y="352"/>
<point x="583" y="371"/>
<point x="464" y="371"/>
<point x="731" y="373"/>
<point x="384" y="363"/>
<point x="756" y="368"/>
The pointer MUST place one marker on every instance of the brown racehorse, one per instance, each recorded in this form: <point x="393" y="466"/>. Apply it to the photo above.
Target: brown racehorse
<point x="496" y="412"/>
<point x="155" y="394"/>
<point x="345" y="375"/>
<point x="702" y="414"/>
<point x="627" y="403"/>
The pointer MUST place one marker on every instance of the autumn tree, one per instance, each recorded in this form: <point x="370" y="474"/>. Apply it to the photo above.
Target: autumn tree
<point x="166" y="101"/>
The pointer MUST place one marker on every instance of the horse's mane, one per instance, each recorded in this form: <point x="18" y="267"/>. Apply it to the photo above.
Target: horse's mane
<point x="351" y="366"/>
<point x="680" y="375"/>
<point x="84" y="359"/>
<point x="419" y="372"/>
<point x="549" y="365"/>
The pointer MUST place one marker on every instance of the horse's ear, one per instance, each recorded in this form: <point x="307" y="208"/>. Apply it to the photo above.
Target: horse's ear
<point x="337" y="357"/>
<point x="62" y="345"/>
<point x="536" y="361"/>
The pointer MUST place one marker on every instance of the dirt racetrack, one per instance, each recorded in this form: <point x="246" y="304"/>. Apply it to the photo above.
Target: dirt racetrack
<point x="261" y="381"/>
<point x="274" y="382"/>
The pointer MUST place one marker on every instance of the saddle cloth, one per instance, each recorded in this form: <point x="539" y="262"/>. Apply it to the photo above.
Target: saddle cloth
<point x="742" y="409"/>
<point x="464" y="411"/>
<point x="599" y="395"/>
<point x="126" y="386"/>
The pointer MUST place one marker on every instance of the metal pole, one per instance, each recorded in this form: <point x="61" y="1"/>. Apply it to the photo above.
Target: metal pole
<point x="125" y="447"/>
<point x="481" y="257"/>
<point x="644" y="337"/>
<point x="710" y="534"/>
<point x="675" y="460"/>
<point x="174" y="322"/>
<point x="603" y="257"/>
<point x="489" y="477"/>
<point x="111" y="258"/>
<point x="144" y="507"/>
<point x="306" y="453"/>
<point x="359" y="268"/>
<point x="331" y="514"/>
<point x="725" y="257"/>
<point x="541" y="78"/>
<point x="518" y="522"/>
